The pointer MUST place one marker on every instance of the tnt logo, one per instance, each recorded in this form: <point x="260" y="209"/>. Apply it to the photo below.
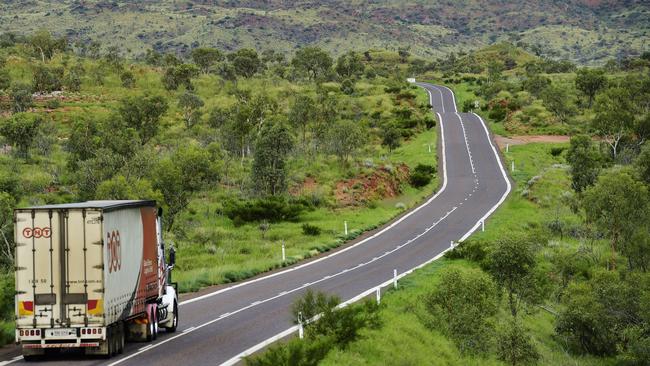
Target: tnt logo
<point x="37" y="232"/>
<point x="114" y="246"/>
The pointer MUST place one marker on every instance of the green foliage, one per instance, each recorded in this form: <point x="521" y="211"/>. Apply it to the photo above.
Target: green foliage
<point x="616" y="204"/>
<point x="246" y="62"/>
<point x="558" y="101"/>
<point x="614" y="118"/>
<point x="5" y="79"/>
<point x="391" y="138"/>
<point x="597" y="312"/>
<point x="180" y="75"/>
<point x="47" y="79"/>
<point x="128" y="79"/>
<point x="272" y="209"/>
<point x="143" y="113"/>
<point x="349" y="65"/>
<point x="467" y="323"/>
<point x="585" y="162"/>
<point x="642" y="163"/>
<point x="311" y="230"/>
<point x="344" y="138"/>
<point x="422" y="175"/>
<point x="590" y="81"/>
<point x="205" y="57"/>
<point x="44" y="45"/>
<point x="121" y="188"/>
<point x="347" y="86"/>
<point x="20" y="131"/>
<point x="312" y="61"/>
<point x="514" y="346"/>
<point x="512" y="264"/>
<point x="190" y="104"/>
<point x="21" y="97"/>
<point x="269" y="160"/>
<point x="301" y="114"/>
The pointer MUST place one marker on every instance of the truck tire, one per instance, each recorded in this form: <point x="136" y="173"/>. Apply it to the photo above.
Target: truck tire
<point x="152" y="326"/>
<point x="121" y="338"/>
<point x="174" y="325"/>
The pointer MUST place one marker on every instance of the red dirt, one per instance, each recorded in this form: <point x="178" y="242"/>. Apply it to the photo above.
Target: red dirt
<point x="520" y="140"/>
<point x="381" y="183"/>
<point x="308" y="186"/>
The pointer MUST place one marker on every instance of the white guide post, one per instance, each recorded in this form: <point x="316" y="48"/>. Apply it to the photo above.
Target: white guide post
<point x="482" y="225"/>
<point x="395" y="278"/>
<point x="284" y="253"/>
<point x="378" y="295"/>
<point x="345" y="224"/>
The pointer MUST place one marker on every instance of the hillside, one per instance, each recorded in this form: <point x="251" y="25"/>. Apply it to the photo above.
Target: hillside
<point x="585" y="31"/>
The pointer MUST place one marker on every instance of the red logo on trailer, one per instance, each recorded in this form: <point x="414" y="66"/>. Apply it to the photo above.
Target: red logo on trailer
<point x="114" y="259"/>
<point x="37" y="232"/>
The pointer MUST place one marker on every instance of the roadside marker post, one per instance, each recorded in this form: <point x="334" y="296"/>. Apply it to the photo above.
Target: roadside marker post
<point x="429" y="148"/>
<point x="395" y="278"/>
<point x="451" y="246"/>
<point x="482" y="225"/>
<point x="378" y="295"/>
<point x="507" y="147"/>
<point x="512" y="166"/>
<point x="345" y="224"/>
<point x="301" y="331"/>
<point x="284" y="253"/>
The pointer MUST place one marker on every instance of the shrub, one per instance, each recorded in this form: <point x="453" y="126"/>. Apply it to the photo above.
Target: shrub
<point x="128" y="79"/>
<point x="311" y="230"/>
<point x="422" y="175"/>
<point x="515" y="347"/>
<point x="272" y="209"/>
<point x="556" y="151"/>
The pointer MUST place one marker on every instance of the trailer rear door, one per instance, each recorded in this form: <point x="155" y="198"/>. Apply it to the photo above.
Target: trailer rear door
<point x="59" y="268"/>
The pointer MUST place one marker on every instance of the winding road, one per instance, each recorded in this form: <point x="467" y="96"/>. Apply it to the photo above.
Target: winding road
<point x="225" y="325"/>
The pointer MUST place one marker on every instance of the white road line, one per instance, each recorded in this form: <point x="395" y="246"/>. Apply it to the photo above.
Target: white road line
<point x="15" y="359"/>
<point x="289" y="331"/>
<point x="469" y="153"/>
<point x="293" y="329"/>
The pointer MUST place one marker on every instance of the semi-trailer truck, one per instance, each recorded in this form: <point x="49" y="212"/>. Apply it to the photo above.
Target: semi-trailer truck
<point x="91" y="275"/>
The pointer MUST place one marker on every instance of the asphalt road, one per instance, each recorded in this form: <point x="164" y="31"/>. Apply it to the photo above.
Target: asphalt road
<point x="220" y="327"/>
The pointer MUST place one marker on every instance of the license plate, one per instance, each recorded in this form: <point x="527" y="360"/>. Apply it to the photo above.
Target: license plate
<point x="62" y="332"/>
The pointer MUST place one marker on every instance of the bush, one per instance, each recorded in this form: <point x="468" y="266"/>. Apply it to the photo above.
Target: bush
<point x="311" y="230"/>
<point x="515" y="347"/>
<point x="128" y="79"/>
<point x="473" y="250"/>
<point x="272" y="209"/>
<point x="422" y="175"/>
<point x="53" y="104"/>
<point x="556" y="151"/>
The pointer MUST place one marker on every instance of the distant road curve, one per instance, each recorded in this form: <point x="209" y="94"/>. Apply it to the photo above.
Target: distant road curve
<point x="223" y="326"/>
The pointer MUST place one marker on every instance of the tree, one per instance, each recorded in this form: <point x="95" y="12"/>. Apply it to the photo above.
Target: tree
<point x="205" y="57"/>
<point x="227" y="71"/>
<point x="128" y="79"/>
<point x="143" y="113"/>
<point x="584" y="161"/>
<point x="513" y="267"/>
<point x="558" y="102"/>
<point x="301" y="114"/>
<point x="7" y="204"/>
<point x="190" y="104"/>
<point x="178" y="176"/>
<point x="617" y="204"/>
<point x="21" y="97"/>
<point x="347" y="87"/>
<point x="180" y="75"/>
<point x="84" y="141"/>
<point x="121" y="188"/>
<point x="47" y="79"/>
<point x="269" y="160"/>
<point x="349" y="65"/>
<point x="20" y="131"/>
<point x="514" y="346"/>
<point x="535" y="84"/>
<point x="45" y="45"/>
<point x="467" y="323"/>
<point x="614" y="118"/>
<point x="590" y="81"/>
<point x="153" y="58"/>
<point x="642" y="163"/>
<point x="495" y="71"/>
<point x="403" y="53"/>
<point x="312" y="61"/>
<point x="246" y="62"/>
<point x="344" y="138"/>
<point x="390" y="137"/>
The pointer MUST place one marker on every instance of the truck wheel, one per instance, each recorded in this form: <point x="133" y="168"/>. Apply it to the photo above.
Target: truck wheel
<point x="172" y="329"/>
<point x="151" y="326"/>
<point x="110" y="341"/>
<point x="121" y="336"/>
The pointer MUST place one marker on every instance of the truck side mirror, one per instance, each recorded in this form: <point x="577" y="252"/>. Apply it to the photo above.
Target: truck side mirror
<point x="172" y="256"/>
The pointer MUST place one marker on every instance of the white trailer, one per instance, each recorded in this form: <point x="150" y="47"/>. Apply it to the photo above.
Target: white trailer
<point x="91" y="275"/>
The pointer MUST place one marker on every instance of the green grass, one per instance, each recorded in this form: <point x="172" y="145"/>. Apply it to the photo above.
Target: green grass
<point x="403" y="338"/>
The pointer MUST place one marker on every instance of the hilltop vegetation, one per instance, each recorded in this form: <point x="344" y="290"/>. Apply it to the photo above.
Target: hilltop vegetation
<point x="579" y="30"/>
